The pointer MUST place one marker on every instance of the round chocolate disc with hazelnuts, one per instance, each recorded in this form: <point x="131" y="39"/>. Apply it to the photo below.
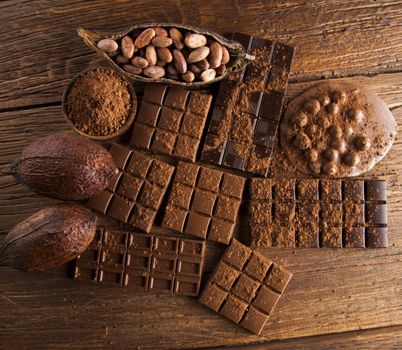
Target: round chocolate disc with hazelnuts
<point x="337" y="130"/>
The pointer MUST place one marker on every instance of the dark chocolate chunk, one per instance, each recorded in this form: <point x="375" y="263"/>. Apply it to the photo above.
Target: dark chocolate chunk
<point x="245" y="287"/>
<point x="204" y="202"/>
<point x="143" y="261"/>
<point x="135" y="194"/>
<point x="318" y="213"/>
<point x="171" y="121"/>
<point x="243" y="128"/>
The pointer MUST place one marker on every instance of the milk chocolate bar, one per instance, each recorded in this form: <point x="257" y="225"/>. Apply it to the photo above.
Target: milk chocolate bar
<point x="245" y="287"/>
<point x="204" y="202"/>
<point x="145" y="262"/>
<point x="135" y="194"/>
<point x="318" y="213"/>
<point x="243" y="127"/>
<point x="171" y="121"/>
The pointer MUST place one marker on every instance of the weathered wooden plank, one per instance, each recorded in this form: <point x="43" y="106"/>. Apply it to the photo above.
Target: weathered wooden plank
<point x="378" y="338"/>
<point x="41" y="52"/>
<point x="332" y="290"/>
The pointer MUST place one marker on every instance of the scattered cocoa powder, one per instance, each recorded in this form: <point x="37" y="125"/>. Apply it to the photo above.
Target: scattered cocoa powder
<point x="99" y="102"/>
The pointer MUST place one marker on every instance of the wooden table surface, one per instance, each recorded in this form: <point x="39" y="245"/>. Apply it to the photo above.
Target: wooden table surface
<point x="337" y="298"/>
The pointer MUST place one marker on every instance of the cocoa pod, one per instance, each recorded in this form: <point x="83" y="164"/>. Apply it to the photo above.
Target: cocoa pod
<point x="144" y="38"/>
<point x="49" y="238"/>
<point x="64" y="166"/>
<point x="234" y="55"/>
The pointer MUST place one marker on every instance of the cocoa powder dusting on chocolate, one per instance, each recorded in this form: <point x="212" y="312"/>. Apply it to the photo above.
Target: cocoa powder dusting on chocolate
<point x="99" y="102"/>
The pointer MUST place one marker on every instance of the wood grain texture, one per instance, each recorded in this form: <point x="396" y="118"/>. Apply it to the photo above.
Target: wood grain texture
<point x="332" y="290"/>
<point x="338" y="298"/>
<point x="41" y="51"/>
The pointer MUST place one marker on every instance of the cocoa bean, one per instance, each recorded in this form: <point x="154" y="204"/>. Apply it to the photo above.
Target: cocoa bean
<point x="203" y="64"/>
<point x="160" y="63"/>
<point x="221" y="69"/>
<point x="144" y="38"/>
<point x="131" y="69"/>
<point x="215" y="55"/>
<point x="139" y="62"/>
<point x="154" y="72"/>
<point x="195" y="40"/>
<point x="164" y="54"/>
<point x="120" y="59"/>
<point x="208" y="75"/>
<point x="150" y="55"/>
<point x="107" y="45"/>
<point x="188" y="76"/>
<point x="171" y="69"/>
<point x="159" y="31"/>
<point x="177" y="38"/>
<point x="161" y="41"/>
<point x="179" y="61"/>
<point x="198" y="54"/>
<point x="193" y="68"/>
<point x="225" y="55"/>
<point x="127" y="47"/>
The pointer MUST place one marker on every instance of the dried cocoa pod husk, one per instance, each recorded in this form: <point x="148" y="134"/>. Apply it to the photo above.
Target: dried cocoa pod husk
<point x="239" y="56"/>
<point x="49" y="238"/>
<point x="64" y="166"/>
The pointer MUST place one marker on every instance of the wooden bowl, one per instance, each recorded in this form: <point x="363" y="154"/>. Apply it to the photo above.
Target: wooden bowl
<point x="118" y="132"/>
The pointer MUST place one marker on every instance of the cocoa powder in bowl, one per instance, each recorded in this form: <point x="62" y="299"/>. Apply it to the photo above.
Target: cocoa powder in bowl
<point x="100" y="103"/>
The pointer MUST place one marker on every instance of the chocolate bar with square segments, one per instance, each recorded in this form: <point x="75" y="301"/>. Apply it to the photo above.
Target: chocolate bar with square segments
<point x="245" y="287"/>
<point x="329" y="213"/>
<point x="143" y="261"/>
<point x="257" y="92"/>
<point x="204" y="202"/>
<point x="171" y="121"/>
<point x="134" y="196"/>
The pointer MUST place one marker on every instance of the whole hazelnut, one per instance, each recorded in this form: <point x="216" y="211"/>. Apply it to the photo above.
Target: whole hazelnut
<point x="355" y="115"/>
<point x="312" y="106"/>
<point x="335" y="131"/>
<point x="338" y="144"/>
<point x="324" y="100"/>
<point x="300" y="119"/>
<point x="361" y="142"/>
<point x="350" y="159"/>
<point x="302" y="141"/>
<point x="332" y="109"/>
<point x="311" y="155"/>
<point x="339" y="96"/>
<point x="331" y="154"/>
<point x="329" y="168"/>
<point x="311" y="130"/>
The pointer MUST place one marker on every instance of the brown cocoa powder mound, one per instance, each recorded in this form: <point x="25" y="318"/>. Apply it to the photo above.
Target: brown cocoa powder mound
<point x="99" y="102"/>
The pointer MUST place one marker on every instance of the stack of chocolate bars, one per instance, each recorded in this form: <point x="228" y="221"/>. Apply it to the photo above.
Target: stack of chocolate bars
<point x="204" y="136"/>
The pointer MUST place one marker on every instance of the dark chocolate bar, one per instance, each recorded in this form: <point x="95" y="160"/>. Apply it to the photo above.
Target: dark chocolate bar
<point x="143" y="261"/>
<point x="135" y="194"/>
<point x="318" y="213"/>
<point x="204" y="202"/>
<point x="171" y="121"/>
<point x="245" y="287"/>
<point x="243" y="127"/>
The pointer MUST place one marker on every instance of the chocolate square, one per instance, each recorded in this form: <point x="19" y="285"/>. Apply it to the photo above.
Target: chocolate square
<point x="101" y="201"/>
<point x="224" y="276"/>
<point x="197" y="225"/>
<point x="220" y="231"/>
<point x="186" y="147"/>
<point x="232" y="186"/>
<point x="176" y="98"/>
<point x="266" y="299"/>
<point x="148" y="114"/>
<point x="130" y="186"/>
<point x="376" y="191"/>
<point x="213" y="297"/>
<point x="233" y="308"/>
<point x="120" y="208"/>
<point x="203" y="202"/>
<point x="155" y="93"/>
<point x="174" y="219"/>
<point x="254" y="320"/>
<point x="258" y="266"/>
<point x="170" y="119"/>
<point x="142" y="135"/>
<point x="209" y="179"/>
<point x="354" y="237"/>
